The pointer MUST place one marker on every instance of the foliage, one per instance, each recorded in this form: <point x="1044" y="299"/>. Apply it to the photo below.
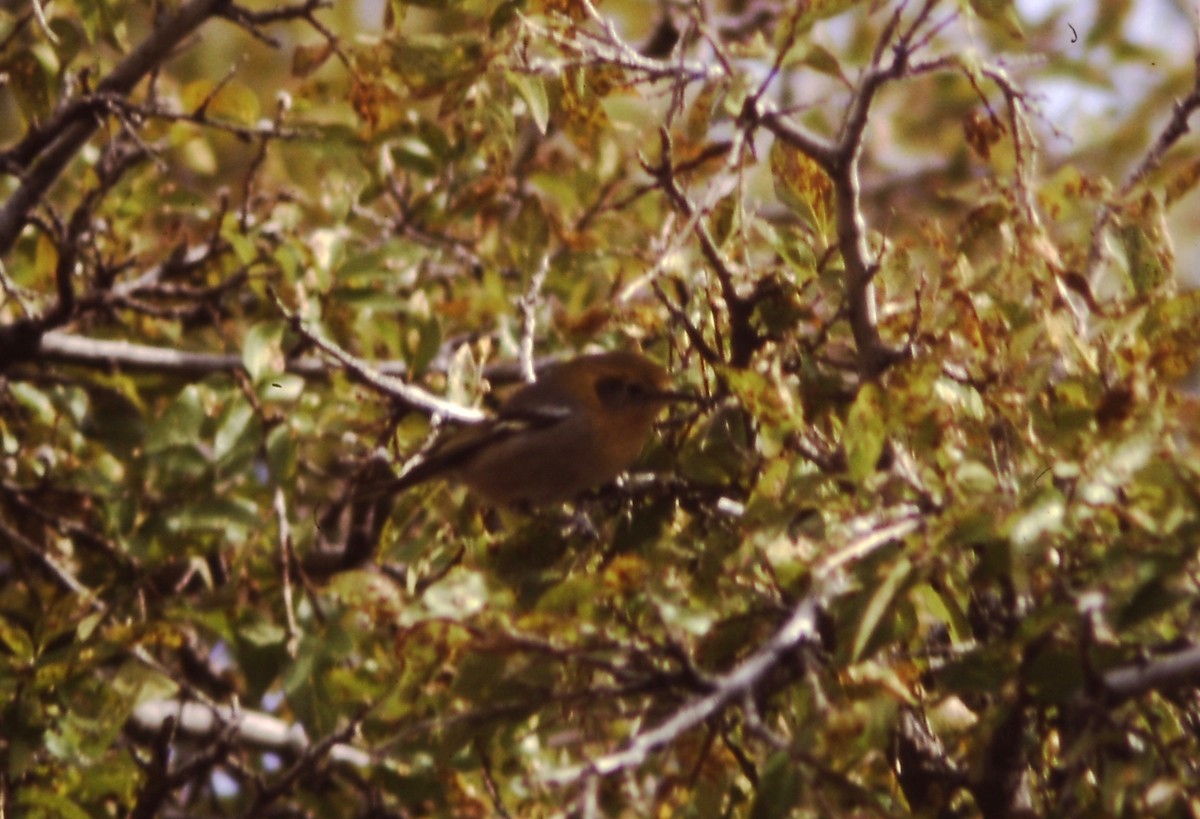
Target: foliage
<point x="927" y="545"/>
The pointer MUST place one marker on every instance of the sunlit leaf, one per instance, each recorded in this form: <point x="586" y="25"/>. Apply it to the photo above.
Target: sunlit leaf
<point x="879" y="606"/>
<point x="180" y="424"/>
<point x="533" y="90"/>
<point x="1000" y="13"/>
<point x="803" y="186"/>
<point x="866" y="432"/>
<point x="262" y="355"/>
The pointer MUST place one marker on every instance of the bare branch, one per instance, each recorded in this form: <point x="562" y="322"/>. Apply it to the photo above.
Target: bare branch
<point x="279" y="14"/>
<point x="401" y="391"/>
<point x="58" y="570"/>
<point x="839" y="159"/>
<point x="605" y="48"/>
<point x="746" y="675"/>
<point x="800" y="628"/>
<point x="287" y="558"/>
<point x="529" y="304"/>
<point x="743" y="339"/>
<point x="160" y="780"/>
<point x="254" y="729"/>
<point x="1158" y="674"/>
<point x="334" y="747"/>
<point x="66" y="348"/>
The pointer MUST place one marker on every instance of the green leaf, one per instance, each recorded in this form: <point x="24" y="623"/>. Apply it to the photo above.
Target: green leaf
<point x="35" y="802"/>
<point x="1001" y="14"/>
<point x="532" y="89"/>
<point x="1150" y="600"/>
<point x="115" y="418"/>
<point x="231" y="517"/>
<point x="262" y="351"/>
<point x="306" y="59"/>
<point x="180" y="425"/>
<point x="823" y="60"/>
<point x="1182" y="182"/>
<point x="69" y="35"/>
<point x="261" y="633"/>
<point x="285" y="388"/>
<point x="778" y="788"/>
<point x="1147" y="272"/>
<point x="505" y="13"/>
<point x="281" y="454"/>
<point x="232" y="429"/>
<point x="428" y="342"/>
<point x="29" y="84"/>
<point x="803" y="186"/>
<point x="866" y="432"/>
<point x="413" y="154"/>
<point x="427" y="63"/>
<point x="34" y="401"/>
<point x="243" y="246"/>
<point x="16" y="640"/>
<point x="880" y="606"/>
<point x="238" y="103"/>
<point x="102" y="22"/>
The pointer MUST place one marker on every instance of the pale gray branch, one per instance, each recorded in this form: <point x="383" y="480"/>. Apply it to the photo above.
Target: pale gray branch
<point x="66" y="348"/>
<point x="200" y="722"/>
<point x="1157" y="674"/>
<point x="746" y="675"/>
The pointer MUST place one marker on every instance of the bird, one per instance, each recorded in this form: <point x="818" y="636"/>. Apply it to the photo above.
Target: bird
<point x="579" y="425"/>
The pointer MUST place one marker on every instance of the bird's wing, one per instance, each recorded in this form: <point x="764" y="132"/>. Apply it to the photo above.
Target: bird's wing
<point x="531" y="407"/>
<point x="455" y="449"/>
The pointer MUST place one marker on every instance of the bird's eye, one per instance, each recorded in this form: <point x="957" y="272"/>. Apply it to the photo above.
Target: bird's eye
<point x="614" y="391"/>
<point x="609" y="389"/>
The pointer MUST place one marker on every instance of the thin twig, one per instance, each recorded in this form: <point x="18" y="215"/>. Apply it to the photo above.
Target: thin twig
<point x="530" y="301"/>
<point x="730" y="687"/>
<point x="401" y="391"/>
<point x="63" y="145"/>
<point x="287" y="559"/>
<point x="1176" y="128"/>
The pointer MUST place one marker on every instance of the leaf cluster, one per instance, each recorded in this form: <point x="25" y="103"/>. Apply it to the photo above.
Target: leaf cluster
<point x="926" y="545"/>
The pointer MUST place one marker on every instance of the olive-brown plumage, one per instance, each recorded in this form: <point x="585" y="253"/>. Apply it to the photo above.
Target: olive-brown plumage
<point x="577" y="427"/>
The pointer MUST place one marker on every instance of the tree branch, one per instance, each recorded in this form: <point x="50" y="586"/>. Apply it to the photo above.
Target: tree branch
<point x="66" y="348"/>
<point x="743" y="340"/>
<point x="839" y="159"/>
<point x="254" y="729"/>
<point x="1159" y="674"/>
<point x="405" y="393"/>
<point x="62" y="147"/>
<point x="801" y="627"/>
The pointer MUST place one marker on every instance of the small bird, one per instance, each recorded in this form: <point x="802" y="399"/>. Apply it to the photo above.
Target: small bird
<point x="578" y="426"/>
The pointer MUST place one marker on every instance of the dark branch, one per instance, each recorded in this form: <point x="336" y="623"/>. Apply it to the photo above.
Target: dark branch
<point x="743" y="340"/>
<point x="746" y="676"/>
<point x="61" y="148"/>
<point x="839" y="159"/>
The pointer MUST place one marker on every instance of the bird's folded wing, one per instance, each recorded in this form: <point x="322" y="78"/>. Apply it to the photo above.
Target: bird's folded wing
<point x="456" y="449"/>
